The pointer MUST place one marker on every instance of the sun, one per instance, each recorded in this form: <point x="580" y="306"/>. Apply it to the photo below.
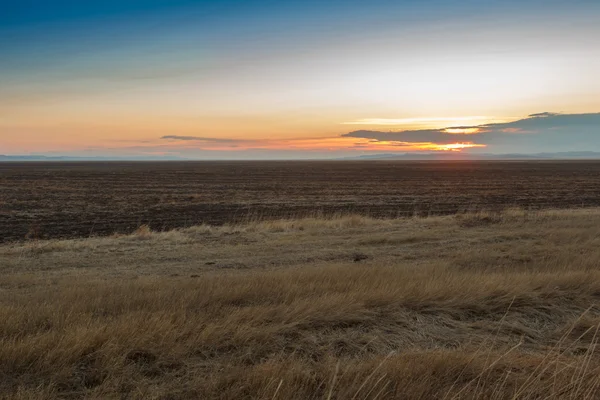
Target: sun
<point x="462" y="131"/>
<point x="458" y="146"/>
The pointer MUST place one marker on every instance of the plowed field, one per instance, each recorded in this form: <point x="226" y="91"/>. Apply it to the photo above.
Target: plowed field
<point x="68" y="199"/>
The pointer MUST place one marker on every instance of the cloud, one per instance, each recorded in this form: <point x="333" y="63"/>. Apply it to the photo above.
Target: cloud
<point x="538" y="123"/>
<point x="543" y="115"/>
<point x="421" y="135"/>
<point x="200" y="139"/>
<point x="416" y="121"/>
<point x="538" y="132"/>
<point x="545" y="131"/>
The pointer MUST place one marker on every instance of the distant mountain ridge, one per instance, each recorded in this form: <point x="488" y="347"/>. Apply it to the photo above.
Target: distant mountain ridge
<point x="567" y="155"/>
<point x="71" y="158"/>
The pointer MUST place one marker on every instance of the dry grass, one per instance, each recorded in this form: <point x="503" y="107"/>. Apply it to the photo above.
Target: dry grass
<point x="495" y="306"/>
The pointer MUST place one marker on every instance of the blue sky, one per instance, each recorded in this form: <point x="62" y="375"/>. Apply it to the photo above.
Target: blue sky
<point x="294" y="77"/>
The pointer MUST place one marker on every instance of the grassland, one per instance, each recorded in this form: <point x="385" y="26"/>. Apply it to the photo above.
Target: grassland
<point x="489" y="305"/>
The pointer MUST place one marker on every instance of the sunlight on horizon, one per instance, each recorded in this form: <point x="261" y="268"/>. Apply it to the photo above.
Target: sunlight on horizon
<point x="296" y="78"/>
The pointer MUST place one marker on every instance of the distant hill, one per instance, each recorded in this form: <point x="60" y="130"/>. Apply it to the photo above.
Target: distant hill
<point x="69" y="158"/>
<point x="568" y="155"/>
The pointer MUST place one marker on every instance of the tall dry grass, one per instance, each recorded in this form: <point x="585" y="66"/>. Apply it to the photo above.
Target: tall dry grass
<point x="447" y="308"/>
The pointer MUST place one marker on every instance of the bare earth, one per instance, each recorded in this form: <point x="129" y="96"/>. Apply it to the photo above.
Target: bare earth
<point x="488" y="305"/>
<point x="69" y="200"/>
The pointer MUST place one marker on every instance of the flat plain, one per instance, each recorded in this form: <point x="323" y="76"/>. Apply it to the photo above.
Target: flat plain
<point x="69" y="200"/>
<point x="303" y="280"/>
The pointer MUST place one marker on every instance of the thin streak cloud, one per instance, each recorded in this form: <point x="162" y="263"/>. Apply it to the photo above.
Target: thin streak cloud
<point x="417" y="121"/>
<point x="200" y="139"/>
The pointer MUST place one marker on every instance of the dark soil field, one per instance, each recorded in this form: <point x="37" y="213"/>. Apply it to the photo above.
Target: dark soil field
<point x="74" y="199"/>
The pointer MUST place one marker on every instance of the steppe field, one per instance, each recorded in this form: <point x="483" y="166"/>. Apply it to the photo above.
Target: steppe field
<point x="303" y="280"/>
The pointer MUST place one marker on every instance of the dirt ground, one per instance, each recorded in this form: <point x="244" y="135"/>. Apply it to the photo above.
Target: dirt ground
<point x="69" y="200"/>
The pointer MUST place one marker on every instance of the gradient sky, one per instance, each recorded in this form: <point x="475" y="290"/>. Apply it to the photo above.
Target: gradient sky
<point x="298" y="79"/>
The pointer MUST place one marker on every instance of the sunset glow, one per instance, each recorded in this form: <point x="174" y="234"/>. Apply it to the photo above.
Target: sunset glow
<point x="426" y="122"/>
<point x="245" y="80"/>
<point x="317" y="144"/>
<point x="462" y="131"/>
<point x="459" y="146"/>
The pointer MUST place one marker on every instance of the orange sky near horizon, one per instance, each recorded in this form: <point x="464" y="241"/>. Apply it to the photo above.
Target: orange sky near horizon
<point x="290" y="78"/>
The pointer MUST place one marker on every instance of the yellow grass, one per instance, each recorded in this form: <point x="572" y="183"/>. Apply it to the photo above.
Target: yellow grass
<point x="496" y="306"/>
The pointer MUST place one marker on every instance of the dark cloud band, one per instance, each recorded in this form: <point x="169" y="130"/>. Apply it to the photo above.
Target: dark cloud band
<point x="544" y="131"/>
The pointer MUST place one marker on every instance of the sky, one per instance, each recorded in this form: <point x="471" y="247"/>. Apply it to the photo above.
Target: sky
<point x="265" y="79"/>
